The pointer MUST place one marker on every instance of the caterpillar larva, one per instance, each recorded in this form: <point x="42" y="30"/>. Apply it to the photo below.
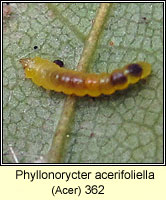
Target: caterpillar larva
<point x="52" y="77"/>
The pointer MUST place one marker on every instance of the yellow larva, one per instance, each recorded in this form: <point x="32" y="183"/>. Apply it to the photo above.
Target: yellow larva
<point x="52" y="77"/>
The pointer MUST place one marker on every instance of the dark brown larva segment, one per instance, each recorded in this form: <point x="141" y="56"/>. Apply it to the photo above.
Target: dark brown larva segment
<point x="118" y="78"/>
<point x="134" y="70"/>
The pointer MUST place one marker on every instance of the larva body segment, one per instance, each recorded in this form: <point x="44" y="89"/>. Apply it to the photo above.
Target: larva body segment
<point x="52" y="77"/>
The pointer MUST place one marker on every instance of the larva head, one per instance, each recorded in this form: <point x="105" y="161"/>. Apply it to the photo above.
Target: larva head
<point x="137" y="71"/>
<point x="28" y="65"/>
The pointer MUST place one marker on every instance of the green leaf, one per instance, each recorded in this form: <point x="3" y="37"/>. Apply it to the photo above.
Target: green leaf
<point x="126" y="127"/>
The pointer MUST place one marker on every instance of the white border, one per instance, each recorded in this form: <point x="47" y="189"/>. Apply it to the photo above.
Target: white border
<point x="88" y="164"/>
